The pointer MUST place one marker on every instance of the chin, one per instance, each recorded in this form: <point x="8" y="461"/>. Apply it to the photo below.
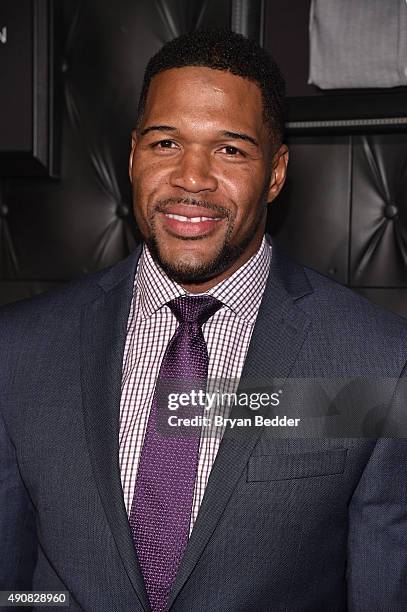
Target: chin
<point x="189" y="269"/>
<point x="192" y="260"/>
<point x="193" y="268"/>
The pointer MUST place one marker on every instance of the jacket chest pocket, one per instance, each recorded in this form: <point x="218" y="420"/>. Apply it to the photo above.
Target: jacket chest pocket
<point x="296" y="465"/>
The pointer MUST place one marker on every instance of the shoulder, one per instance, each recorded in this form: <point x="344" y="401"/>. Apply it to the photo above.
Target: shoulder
<point x="28" y="326"/>
<point x="345" y="327"/>
<point x="369" y="338"/>
<point x="69" y="299"/>
<point x="348" y="308"/>
<point x="322" y="296"/>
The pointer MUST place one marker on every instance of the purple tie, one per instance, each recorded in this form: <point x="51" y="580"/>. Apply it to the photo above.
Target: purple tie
<point x="161" y="509"/>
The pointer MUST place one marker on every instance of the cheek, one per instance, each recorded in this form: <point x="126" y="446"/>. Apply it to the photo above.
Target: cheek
<point x="246" y="191"/>
<point x="147" y="182"/>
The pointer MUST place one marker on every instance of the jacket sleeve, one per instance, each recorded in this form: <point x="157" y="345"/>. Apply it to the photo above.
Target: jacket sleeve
<point x="18" y="542"/>
<point x="377" y="544"/>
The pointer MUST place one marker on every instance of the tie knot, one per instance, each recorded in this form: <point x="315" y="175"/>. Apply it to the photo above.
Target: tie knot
<point x="194" y="309"/>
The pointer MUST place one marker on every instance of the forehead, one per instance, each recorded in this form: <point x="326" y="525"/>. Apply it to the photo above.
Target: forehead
<point x="197" y="93"/>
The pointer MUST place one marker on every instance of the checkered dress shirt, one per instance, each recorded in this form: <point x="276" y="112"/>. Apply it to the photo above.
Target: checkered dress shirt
<point x="151" y="325"/>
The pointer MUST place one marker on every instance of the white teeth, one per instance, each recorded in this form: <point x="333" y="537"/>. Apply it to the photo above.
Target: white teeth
<point x="191" y="219"/>
<point x="177" y="217"/>
<point x="198" y="219"/>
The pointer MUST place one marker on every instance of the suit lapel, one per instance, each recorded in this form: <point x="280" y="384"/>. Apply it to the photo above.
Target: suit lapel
<point x="103" y="334"/>
<point x="278" y="335"/>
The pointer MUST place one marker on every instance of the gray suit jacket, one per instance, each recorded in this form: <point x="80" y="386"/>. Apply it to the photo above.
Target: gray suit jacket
<point x="290" y="521"/>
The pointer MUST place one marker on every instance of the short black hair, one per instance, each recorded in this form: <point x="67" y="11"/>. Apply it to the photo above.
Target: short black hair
<point x="225" y="50"/>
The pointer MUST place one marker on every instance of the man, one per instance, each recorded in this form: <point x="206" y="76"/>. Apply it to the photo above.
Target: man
<point x="99" y="495"/>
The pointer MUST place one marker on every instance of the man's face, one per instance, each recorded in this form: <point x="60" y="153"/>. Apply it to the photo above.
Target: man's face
<point x="203" y="170"/>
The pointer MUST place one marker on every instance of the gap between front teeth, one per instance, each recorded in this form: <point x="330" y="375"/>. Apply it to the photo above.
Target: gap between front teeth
<point x="191" y="219"/>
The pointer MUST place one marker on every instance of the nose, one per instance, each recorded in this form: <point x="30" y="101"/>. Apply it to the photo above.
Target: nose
<point x="194" y="173"/>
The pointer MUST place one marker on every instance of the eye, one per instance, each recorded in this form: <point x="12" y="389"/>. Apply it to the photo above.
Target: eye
<point x="164" y="144"/>
<point x="232" y="151"/>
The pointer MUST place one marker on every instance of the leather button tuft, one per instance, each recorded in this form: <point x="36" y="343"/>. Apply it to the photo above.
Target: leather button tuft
<point x="390" y="211"/>
<point x="3" y="210"/>
<point x="122" y="211"/>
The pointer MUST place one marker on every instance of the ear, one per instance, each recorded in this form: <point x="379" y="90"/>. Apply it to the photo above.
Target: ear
<point x="278" y="172"/>
<point x="133" y="149"/>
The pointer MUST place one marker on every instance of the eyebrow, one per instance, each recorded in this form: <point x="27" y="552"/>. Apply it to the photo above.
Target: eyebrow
<point x="238" y="136"/>
<point x="225" y="133"/>
<point x="158" y="128"/>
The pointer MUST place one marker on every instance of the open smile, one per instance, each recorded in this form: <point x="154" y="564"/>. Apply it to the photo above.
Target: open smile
<point x="191" y="219"/>
<point x="190" y="226"/>
<point x="186" y="220"/>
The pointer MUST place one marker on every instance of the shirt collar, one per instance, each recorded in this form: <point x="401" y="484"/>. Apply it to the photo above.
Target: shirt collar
<point x="242" y="292"/>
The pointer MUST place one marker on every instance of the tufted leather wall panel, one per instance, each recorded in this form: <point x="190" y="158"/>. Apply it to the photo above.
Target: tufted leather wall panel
<point x="310" y="218"/>
<point x="343" y="210"/>
<point x="379" y="221"/>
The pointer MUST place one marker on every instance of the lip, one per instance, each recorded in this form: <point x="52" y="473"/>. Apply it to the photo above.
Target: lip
<point x="186" y="210"/>
<point x="190" y="229"/>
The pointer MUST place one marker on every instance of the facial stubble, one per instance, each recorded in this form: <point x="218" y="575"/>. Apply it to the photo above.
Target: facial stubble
<point x="227" y="255"/>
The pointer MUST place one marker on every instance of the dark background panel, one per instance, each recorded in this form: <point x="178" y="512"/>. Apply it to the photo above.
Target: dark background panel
<point x="62" y="229"/>
<point x="16" y="76"/>
<point x="30" y="88"/>
<point x="379" y="211"/>
<point x="286" y="37"/>
<point x="311" y="216"/>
